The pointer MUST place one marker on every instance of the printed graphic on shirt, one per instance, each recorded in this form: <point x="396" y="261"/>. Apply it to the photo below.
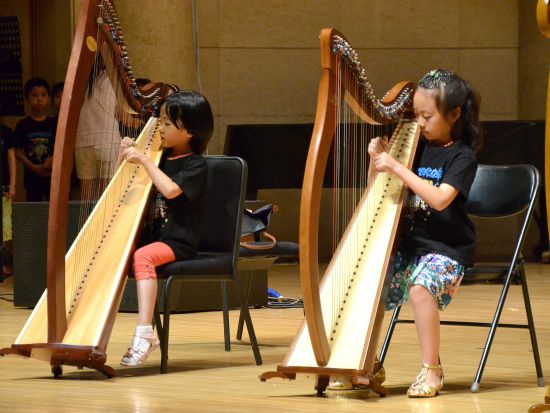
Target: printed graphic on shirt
<point x="415" y="204"/>
<point x="38" y="148"/>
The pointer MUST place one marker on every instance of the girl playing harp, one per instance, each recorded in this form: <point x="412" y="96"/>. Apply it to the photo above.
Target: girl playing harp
<point x="438" y="243"/>
<point x="186" y="124"/>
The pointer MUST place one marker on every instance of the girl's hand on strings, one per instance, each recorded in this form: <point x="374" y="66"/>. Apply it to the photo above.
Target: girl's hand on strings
<point x="126" y="142"/>
<point x="380" y="158"/>
<point x="378" y="145"/>
<point x="133" y="155"/>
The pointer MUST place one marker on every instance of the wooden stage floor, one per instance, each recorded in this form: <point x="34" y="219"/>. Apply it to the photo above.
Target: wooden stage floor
<point x="203" y="377"/>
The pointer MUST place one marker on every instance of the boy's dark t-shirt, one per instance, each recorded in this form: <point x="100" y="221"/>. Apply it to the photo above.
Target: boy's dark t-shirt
<point x="178" y="221"/>
<point x="37" y="139"/>
<point x="7" y="139"/>
<point x="449" y="232"/>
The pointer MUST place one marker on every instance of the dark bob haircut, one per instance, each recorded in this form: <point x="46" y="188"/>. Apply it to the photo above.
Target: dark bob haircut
<point x="190" y="110"/>
<point x="35" y="82"/>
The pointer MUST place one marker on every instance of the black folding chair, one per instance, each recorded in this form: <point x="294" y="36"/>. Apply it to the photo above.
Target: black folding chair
<point x="218" y="250"/>
<point x="497" y="192"/>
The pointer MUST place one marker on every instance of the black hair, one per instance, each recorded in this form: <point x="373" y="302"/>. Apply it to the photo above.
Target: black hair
<point x="450" y="92"/>
<point x="190" y="110"/>
<point x="57" y="87"/>
<point x="35" y="82"/>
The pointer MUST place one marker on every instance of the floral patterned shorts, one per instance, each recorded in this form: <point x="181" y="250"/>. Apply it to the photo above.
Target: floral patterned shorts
<point x="439" y="274"/>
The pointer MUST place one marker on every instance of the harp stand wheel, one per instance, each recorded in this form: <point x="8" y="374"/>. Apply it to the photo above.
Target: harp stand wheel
<point x="57" y="372"/>
<point x="322" y="384"/>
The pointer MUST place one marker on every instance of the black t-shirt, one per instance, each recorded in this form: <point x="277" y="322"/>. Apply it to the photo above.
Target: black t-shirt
<point x="178" y="221"/>
<point x="37" y="139"/>
<point x="7" y="139"/>
<point x="449" y="232"/>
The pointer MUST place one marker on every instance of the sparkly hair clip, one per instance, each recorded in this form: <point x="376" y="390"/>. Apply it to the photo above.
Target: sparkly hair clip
<point x="436" y="78"/>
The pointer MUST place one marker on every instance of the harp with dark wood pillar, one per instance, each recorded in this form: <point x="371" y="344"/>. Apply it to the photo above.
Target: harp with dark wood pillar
<point x="344" y="307"/>
<point x="72" y="322"/>
<point x="543" y="21"/>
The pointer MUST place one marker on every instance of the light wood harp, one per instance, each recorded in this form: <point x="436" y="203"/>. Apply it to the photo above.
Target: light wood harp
<point x="344" y="310"/>
<point x="72" y="322"/>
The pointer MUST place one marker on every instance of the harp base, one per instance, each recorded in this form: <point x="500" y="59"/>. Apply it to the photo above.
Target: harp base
<point x="58" y="354"/>
<point x="323" y="374"/>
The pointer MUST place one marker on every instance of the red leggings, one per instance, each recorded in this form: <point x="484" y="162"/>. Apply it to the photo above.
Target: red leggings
<point x="150" y="256"/>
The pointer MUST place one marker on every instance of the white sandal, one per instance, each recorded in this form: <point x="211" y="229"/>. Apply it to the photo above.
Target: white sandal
<point x="139" y="350"/>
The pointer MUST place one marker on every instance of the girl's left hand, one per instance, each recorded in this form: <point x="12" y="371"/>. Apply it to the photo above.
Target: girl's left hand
<point x="384" y="162"/>
<point x="133" y="155"/>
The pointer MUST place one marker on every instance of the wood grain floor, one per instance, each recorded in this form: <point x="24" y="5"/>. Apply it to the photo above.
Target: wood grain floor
<point x="203" y="377"/>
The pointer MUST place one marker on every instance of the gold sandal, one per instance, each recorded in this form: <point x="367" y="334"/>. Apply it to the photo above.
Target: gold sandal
<point x="420" y="389"/>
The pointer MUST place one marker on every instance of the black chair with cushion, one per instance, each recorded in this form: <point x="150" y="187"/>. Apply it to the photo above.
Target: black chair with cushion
<point x="218" y="253"/>
<point x="498" y="192"/>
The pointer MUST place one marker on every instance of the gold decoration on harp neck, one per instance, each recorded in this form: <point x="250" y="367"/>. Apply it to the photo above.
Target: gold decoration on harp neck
<point x="91" y="44"/>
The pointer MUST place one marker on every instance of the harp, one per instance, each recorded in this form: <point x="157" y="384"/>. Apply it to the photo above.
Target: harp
<point x="72" y="322"/>
<point x="543" y="22"/>
<point x="344" y="310"/>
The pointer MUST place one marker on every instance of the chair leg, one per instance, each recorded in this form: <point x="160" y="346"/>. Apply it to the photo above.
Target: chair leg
<point x="249" y="326"/>
<point x="389" y="334"/>
<point x="530" y="321"/>
<point x="241" y="316"/>
<point x="165" y="327"/>
<point x="157" y="324"/>
<point x="494" y="324"/>
<point x="225" y="311"/>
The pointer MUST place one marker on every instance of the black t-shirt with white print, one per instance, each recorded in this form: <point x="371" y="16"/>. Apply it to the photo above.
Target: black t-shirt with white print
<point x="178" y="222"/>
<point x="449" y="232"/>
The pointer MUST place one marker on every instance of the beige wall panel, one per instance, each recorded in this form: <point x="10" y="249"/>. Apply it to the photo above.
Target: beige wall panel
<point x="532" y="82"/>
<point x="534" y="62"/>
<point x="272" y="81"/>
<point x="397" y="23"/>
<point x="53" y="33"/>
<point x="209" y="76"/>
<point x="160" y="48"/>
<point x="208" y="13"/>
<point x="275" y="24"/>
<point x="488" y="23"/>
<point x="494" y="73"/>
<point x="215" y="146"/>
<point x="385" y="67"/>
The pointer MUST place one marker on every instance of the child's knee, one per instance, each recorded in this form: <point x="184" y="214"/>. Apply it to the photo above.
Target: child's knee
<point x="143" y="265"/>
<point x="143" y="256"/>
<point x="418" y="293"/>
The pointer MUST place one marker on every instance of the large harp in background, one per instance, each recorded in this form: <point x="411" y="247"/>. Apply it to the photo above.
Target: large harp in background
<point x="344" y="310"/>
<point x="543" y="22"/>
<point x="72" y="322"/>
